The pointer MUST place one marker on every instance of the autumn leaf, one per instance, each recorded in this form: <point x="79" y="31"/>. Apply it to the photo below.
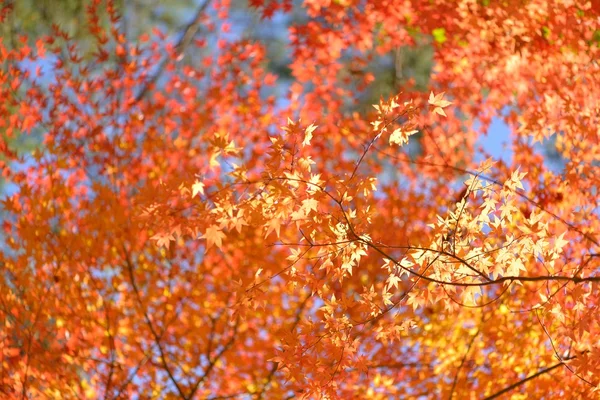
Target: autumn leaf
<point x="309" y="205"/>
<point x="163" y="238"/>
<point x="308" y="134"/>
<point x="214" y="236"/>
<point x="273" y="225"/>
<point x="438" y="103"/>
<point x="197" y="187"/>
<point x="400" y="137"/>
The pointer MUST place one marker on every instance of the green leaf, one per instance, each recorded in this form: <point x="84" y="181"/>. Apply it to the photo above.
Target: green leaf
<point x="596" y="37"/>
<point x="439" y="35"/>
<point x="545" y="32"/>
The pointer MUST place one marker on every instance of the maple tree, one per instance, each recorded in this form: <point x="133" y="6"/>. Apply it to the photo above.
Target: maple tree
<point x="182" y="232"/>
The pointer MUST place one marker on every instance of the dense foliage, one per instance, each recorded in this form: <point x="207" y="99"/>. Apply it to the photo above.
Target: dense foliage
<point x="189" y="226"/>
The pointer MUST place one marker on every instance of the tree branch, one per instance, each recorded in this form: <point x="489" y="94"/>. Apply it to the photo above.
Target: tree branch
<point x="523" y="381"/>
<point x="275" y="366"/>
<point x="213" y="362"/>
<point x="462" y="362"/>
<point x="186" y="36"/>
<point x="156" y="336"/>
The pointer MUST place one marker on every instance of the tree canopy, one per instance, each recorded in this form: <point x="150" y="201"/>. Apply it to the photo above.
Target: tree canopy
<point x="202" y="221"/>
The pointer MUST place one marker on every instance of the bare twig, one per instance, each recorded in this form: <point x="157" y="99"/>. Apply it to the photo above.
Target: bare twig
<point x="186" y="36"/>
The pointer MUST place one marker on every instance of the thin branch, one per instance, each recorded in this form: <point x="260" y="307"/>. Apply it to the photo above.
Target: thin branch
<point x="147" y="357"/>
<point x="275" y="366"/>
<point x="157" y="337"/>
<point x="487" y="282"/>
<point x="213" y="362"/>
<point x="397" y="365"/>
<point x="372" y="141"/>
<point x="523" y="381"/>
<point x="498" y="183"/>
<point x="131" y="376"/>
<point x="111" y="342"/>
<point x="186" y="36"/>
<point x="378" y="249"/>
<point x="462" y="362"/>
<point x="558" y="357"/>
<point x="397" y="302"/>
<point x="462" y="209"/>
<point x="229" y="396"/>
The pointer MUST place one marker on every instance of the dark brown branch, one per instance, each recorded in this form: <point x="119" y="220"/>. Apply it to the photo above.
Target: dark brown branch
<point x="498" y="183"/>
<point x="523" y="381"/>
<point x="490" y="282"/>
<point x="213" y="362"/>
<point x="156" y="336"/>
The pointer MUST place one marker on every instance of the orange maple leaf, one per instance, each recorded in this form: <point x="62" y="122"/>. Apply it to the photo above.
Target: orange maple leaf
<point x="214" y="236"/>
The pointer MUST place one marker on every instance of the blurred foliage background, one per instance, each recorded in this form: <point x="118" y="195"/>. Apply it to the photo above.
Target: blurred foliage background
<point x="35" y="18"/>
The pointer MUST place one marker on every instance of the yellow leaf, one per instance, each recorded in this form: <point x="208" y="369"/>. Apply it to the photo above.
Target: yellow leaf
<point x="274" y="224"/>
<point x="197" y="187"/>
<point x="308" y="134"/>
<point x="309" y="204"/>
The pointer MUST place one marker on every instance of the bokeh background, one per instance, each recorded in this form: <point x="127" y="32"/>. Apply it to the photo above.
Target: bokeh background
<point x="35" y="18"/>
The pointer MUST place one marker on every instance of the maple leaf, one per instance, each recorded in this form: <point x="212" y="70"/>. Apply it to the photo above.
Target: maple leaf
<point x="238" y="222"/>
<point x="163" y="239"/>
<point x="439" y="103"/>
<point x="298" y="215"/>
<point x="117" y="146"/>
<point x="308" y="134"/>
<point x="560" y="242"/>
<point x="392" y="281"/>
<point x="309" y="205"/>
<point x="197" y="187"/>
<point x="515" y="267"/>
<point x="214" y="236"/>
<point x="399" y="136"/>
<point x="274" y="224"/>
